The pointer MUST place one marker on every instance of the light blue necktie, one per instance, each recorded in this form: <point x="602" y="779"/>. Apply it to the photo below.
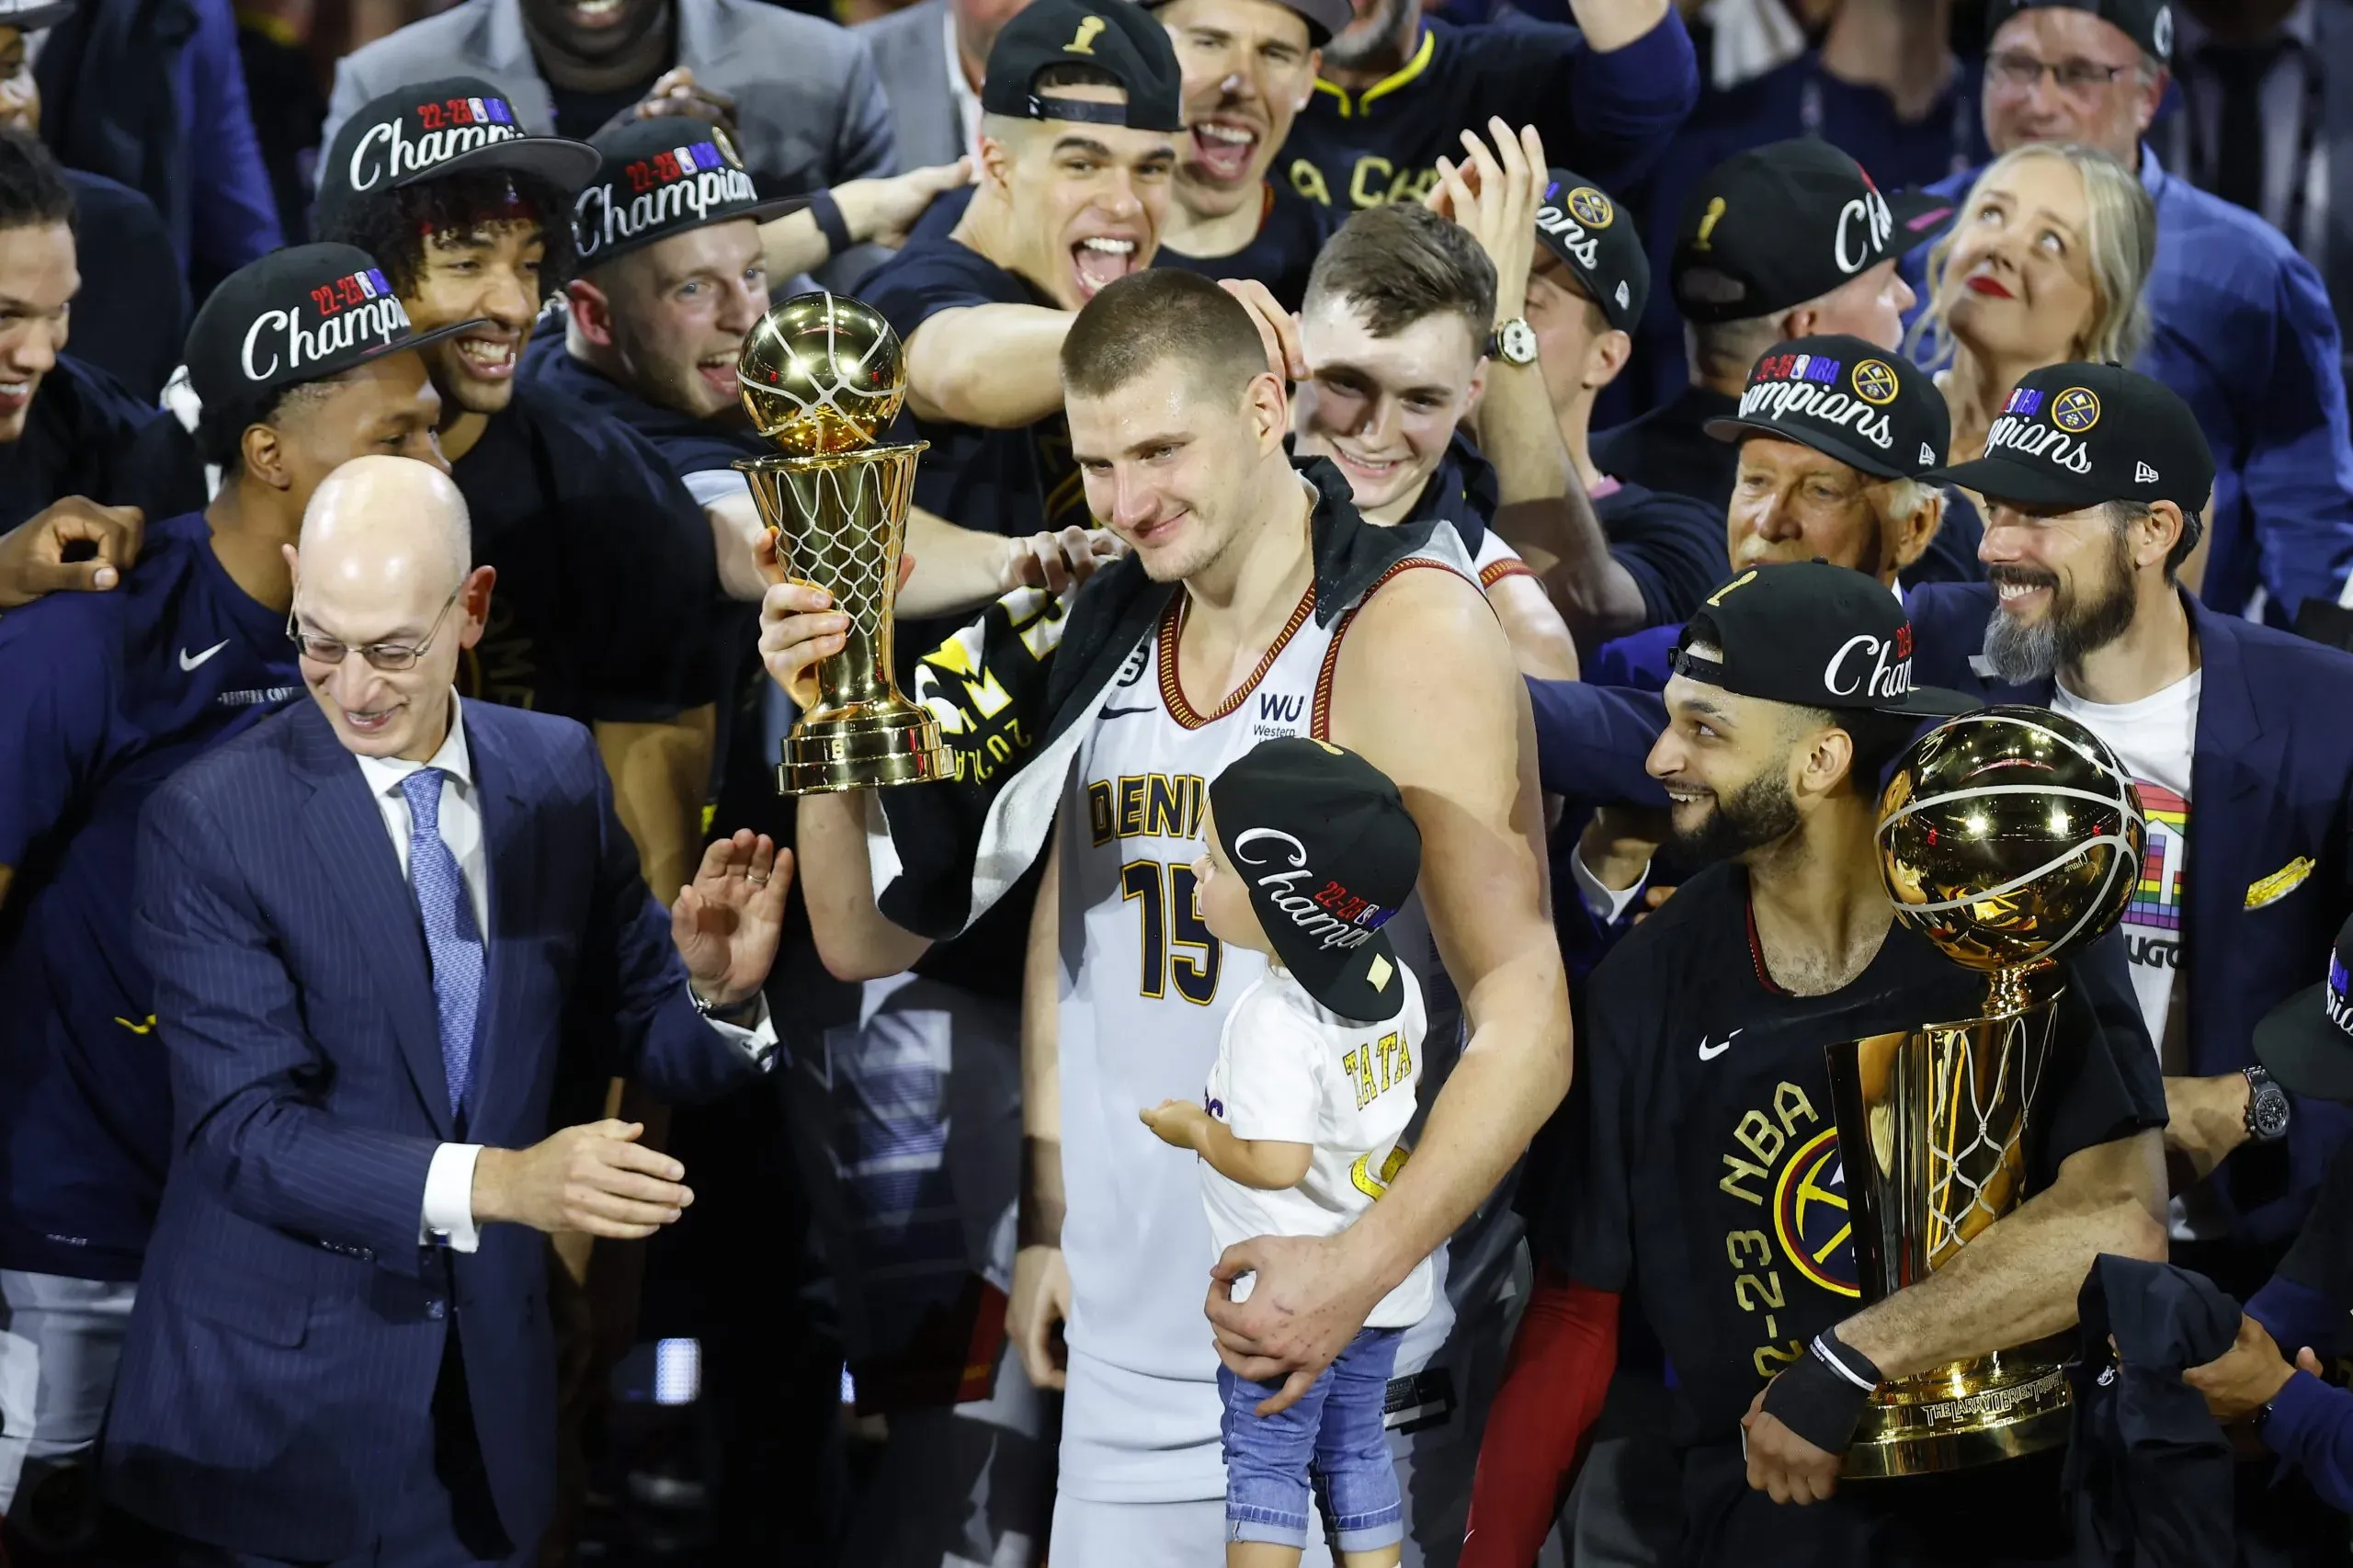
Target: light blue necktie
<point x="450" y="933"/>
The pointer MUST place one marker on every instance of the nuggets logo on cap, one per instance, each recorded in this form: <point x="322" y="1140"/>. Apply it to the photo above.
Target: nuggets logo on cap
<point x="2075" y="411"/>
<point x="448" y="126"/>
<point x="1783" y="385"/>
<point x="1875" y="383"/>
<point x="1591" y="208"/>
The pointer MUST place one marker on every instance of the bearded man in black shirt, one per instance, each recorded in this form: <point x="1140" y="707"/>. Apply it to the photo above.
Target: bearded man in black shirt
<point x="1710" y="1182"/>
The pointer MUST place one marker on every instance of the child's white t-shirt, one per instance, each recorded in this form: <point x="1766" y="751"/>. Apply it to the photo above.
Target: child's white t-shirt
<point x="1294" y="1072"/>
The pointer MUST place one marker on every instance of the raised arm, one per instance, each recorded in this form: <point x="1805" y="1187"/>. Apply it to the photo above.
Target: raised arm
<point x="998" y="367"/>
<point x="854" y="940"/>
<point x="1426" y="690"/>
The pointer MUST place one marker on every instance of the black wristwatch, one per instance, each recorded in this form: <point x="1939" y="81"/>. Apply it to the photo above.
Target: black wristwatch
<point x="2267" y="1109"/>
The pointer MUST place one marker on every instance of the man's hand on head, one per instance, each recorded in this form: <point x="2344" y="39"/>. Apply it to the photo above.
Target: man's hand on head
<point x="885" y="211"/>
<point x="597" y="1178"/>
<point x="1494" y="194"/>
<point x="1308" y="1299"/>
<point x="676" y="92"/>
<point x="1278" y="328"/>
<point x="74" y="545"/>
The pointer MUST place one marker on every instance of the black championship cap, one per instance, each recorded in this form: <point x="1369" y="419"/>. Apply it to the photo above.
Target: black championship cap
<point x="1812" y="635"/>
<point x="2148" y="23"/>
<point x="1851" y="400"/>
<point x="453" y="126"/>
<point x="1117" y="38"/>
<point x="31" y="16"/>
<point x="1595" y="240"/>
<point x="664" y="177"/>
<point x="1323" y="18"/>
<point x="2076" y="436"/>
<point x="1325" y="844"/>
<point x="2307" y="1041"/>
<point x="299" y="314"/>
<point x="1780" y="224"/>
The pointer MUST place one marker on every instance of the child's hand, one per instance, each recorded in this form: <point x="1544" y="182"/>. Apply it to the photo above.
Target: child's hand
<point x="1175" y="1122"/>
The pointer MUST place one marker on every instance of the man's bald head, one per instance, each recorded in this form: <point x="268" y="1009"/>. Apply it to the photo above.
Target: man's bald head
<point x="385" y="586"/>
<point x="388" y="514"/>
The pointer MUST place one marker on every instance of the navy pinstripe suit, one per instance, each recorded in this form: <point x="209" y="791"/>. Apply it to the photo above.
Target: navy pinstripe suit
<point x="275" y="1390"/>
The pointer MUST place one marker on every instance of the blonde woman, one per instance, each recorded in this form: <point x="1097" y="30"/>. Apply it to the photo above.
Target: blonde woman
<point x="2045" y="264"/>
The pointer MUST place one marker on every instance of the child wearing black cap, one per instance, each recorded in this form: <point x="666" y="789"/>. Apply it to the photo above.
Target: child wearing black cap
<point x="1309" y="853"/>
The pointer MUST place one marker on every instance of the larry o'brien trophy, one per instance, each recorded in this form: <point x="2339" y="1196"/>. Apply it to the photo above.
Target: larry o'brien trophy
<point x="822" y="376"/>
<point x="2006" y="838"/>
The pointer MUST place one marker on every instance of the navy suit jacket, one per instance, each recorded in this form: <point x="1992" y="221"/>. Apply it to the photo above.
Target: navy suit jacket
<point x="276" y="1385"/>
<point x="2271" y="824"/>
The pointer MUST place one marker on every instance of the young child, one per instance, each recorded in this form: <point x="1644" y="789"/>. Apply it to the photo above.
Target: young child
<point x="1310" y="852"/>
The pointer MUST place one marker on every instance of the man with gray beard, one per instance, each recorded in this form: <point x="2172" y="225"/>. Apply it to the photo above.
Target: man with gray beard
<point x="1399" y="89"/>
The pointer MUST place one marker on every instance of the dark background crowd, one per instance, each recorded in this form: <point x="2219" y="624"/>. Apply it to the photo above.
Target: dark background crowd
<point x="812" y="1365"/>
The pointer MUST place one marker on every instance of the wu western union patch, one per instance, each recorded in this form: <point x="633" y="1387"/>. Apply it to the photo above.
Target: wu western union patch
<point x="2279" y="883"/>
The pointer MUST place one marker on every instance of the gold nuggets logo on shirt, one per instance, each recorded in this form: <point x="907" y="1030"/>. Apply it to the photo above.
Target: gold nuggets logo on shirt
<point x="1809" y="1217"/>
<point x="2075" y="410"/>
<point x="1589" y="207"/>
<point x="1875" y="383"/>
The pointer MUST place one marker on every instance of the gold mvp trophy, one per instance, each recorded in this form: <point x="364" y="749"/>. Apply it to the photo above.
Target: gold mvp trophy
<point x="822" y="376"/>
<point x="2006" y="838"/>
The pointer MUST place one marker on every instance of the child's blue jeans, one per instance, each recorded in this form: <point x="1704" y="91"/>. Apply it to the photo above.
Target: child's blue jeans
<point x="1332" y="1434"/>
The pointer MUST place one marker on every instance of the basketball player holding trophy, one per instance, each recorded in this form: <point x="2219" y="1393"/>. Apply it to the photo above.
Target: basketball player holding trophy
<point x="1772" y="1097"/>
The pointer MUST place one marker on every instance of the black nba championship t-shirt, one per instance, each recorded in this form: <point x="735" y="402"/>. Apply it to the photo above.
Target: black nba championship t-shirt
<point x="1005" y="481"/>
<point x="1709" y="1184"/>
<point x="607" y="573"/>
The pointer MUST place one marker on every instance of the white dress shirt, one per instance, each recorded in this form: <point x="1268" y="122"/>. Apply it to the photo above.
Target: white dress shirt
<point x="968" y="102"/>
<point x="449" y="1207"/>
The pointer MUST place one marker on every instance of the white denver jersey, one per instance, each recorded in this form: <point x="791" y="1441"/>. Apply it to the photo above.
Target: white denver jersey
<point x="1144" y="990"/>
<point x="1498" y="561"/>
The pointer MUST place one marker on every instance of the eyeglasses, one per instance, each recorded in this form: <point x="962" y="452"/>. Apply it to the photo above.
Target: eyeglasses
<point x="2016" y="73"/>
<point x="390" y="657"/>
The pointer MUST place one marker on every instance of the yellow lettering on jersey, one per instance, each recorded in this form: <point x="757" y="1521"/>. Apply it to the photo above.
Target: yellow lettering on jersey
<point x="1366" y="165"/>
<point x="1308" y="180"/>
<point x="1099" y="811"/>
<point x="1163" y="809"/>
<point x="1132" y="805"/>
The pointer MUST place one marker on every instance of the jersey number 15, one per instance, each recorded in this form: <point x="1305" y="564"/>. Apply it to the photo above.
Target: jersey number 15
<point x="1178" y="945"/>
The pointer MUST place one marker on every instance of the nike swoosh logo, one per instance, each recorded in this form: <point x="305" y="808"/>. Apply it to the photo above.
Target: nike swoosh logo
<point x="189" y="661"/>
<point x="1710" y="1052"/>
<point x="1116" y="712"/>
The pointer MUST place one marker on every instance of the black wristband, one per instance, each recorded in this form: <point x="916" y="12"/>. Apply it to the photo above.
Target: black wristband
<point x="1821" y="1396"/>
<point x="830" y="222"/>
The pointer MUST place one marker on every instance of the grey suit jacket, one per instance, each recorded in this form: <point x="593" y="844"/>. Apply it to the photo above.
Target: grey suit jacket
<point x="910" y="56"/>
<point x="808" y="110"/>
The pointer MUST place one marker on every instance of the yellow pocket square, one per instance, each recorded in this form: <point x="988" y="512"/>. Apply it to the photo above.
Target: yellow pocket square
<point x="2279" y="883"/>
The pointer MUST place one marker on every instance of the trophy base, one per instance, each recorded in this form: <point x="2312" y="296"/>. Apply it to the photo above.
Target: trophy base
<point x="1972" y="1413"/>
<point x="864" y="751"/>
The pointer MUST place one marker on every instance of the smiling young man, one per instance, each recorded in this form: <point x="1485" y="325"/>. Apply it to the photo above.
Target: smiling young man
<point x="1078" y="149"/>
<point x="304" y="360"/>
<point x="2242" y="326"/>
<point x="606" y="566"/>
<point x="66" y="428"/>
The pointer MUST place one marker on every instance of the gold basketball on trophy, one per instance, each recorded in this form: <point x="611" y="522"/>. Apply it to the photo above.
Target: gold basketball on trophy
<point x="2007" y="834"/>
<point x="821" y="373"/>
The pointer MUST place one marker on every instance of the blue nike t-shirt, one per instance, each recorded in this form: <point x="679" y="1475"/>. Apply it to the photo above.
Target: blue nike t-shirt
<point x="102" y="698"/>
